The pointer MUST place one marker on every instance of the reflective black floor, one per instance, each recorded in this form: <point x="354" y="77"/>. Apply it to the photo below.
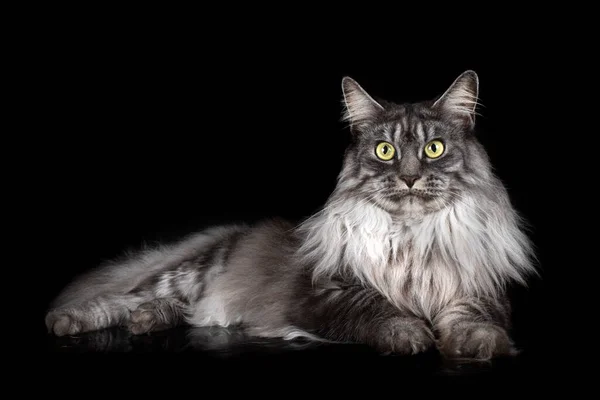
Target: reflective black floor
<point x="225" y="347"/>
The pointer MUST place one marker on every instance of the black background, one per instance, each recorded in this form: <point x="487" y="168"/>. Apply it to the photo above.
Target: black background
<point x="153" y="128"/>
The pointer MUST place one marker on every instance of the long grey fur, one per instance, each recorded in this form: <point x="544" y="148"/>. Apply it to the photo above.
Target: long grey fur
<point x="407" y="254"/>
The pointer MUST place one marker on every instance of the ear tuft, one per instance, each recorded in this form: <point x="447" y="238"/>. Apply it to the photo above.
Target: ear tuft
<point x="359" y="106"/>
<point x="461" y="98"/>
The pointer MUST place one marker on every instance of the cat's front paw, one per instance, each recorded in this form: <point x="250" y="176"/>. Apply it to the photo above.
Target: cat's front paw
<point x="479" y="341"/>
<point x="61" y="323"/>
<point x="403" y="336"/>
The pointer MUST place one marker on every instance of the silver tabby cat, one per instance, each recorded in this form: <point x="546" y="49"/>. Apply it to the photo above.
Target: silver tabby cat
<point x="414" y="249"/>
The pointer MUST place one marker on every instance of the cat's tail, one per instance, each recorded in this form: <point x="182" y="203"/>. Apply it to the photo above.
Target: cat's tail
<point x="126" y="273"/>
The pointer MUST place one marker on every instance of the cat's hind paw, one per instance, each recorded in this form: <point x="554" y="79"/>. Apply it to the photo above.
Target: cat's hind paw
<point x="146" y="318"/>
<point x="61" y="323"/>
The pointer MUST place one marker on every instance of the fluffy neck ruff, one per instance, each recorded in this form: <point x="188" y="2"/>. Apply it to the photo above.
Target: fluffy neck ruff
<point x="471" y="248"/>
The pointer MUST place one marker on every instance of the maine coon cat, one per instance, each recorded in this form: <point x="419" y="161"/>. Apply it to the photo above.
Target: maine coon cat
<point x="415" y="248"/>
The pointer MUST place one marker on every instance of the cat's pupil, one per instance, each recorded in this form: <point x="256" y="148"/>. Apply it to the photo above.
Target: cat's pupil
<point x="385" y="149"/>
<point x="433" y="147"/>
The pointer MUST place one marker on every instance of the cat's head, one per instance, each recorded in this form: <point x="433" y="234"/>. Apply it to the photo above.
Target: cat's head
<point x="413" y="159"/>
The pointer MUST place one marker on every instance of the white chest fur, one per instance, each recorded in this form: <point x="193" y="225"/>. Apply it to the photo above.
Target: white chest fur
<point x="463" y="250"/>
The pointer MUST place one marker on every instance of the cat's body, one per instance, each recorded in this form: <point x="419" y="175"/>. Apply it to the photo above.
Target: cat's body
<point x="414" y="248"/>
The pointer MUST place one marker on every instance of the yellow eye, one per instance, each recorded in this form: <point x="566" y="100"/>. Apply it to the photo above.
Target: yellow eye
<point x="434" y="149"/>
<point x="385" y="151"/>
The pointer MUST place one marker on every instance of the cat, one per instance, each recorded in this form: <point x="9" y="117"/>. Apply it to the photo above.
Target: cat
<point x="413" y="250"/>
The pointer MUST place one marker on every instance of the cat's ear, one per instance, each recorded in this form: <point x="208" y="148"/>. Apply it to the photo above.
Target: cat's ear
<point x="359" y="106"/>
<point x="461" y="99"/>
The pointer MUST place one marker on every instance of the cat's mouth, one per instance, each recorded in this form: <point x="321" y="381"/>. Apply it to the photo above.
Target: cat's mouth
<point x="411" y="194"/>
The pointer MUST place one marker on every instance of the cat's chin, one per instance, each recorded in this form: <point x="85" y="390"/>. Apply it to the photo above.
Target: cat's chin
<point x="413" y="206"/>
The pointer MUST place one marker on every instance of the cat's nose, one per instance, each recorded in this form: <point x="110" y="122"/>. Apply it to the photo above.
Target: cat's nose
<point x="410" y="180"/>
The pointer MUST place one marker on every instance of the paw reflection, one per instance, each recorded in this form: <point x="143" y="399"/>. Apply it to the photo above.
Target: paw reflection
<point x="107" y="340"/>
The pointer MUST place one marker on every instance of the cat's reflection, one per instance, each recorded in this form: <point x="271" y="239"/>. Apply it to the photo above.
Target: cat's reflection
<point x="216" y="340"/>
<point x="231" y="343"/>
<point x="225" y="341"/>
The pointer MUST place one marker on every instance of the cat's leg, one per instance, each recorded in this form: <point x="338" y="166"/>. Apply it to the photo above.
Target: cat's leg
<point x="98" y="313"/>
<point x="360" y="315"/>
<point x="474" y="329"/>
<point x="155" y="315"/>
